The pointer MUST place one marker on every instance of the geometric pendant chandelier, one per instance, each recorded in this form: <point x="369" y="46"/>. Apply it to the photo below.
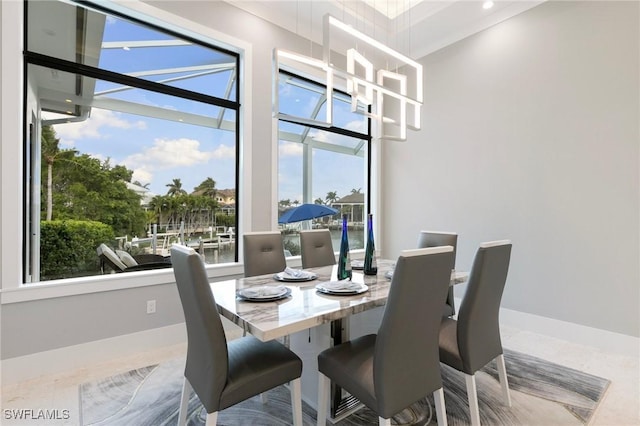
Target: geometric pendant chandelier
<point x="373" y="74"/>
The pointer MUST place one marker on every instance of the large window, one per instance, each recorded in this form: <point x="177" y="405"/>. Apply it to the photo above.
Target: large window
<point x="322" y="165"/>
<point x="132" y="144"/>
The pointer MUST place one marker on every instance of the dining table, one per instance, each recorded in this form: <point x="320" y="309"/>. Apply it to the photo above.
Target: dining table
<point x="293" y="307"/>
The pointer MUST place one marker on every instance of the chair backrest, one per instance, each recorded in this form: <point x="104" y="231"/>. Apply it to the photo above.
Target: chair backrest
<point x="406" y="361"/>
<point x="316" y="248"/>
<point x="478" y="322"/>
<point x="263" y="253"/>
<point x="207" y="356"/>
<point x="109" y="257"/>
<point x="436" y="239"/>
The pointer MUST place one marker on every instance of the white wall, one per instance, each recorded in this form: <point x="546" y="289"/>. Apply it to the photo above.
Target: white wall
<point x="530" y="132"/>
<point x="35" y="324"/>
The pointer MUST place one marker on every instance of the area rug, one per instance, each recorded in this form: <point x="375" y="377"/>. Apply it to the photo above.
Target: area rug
<point x="542" y="393"/>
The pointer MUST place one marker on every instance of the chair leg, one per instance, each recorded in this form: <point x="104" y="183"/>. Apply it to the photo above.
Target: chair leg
<point x="472" y="395"/>
<point x="296" y="401"/>
<point x="324" y="385"/>
<point x="263" y="397"/>
<point x="384" y="422"/>
<point x="502" y="374"/>
<point x="441" y="411"/>
<point x="212" y="419"/>
<point x="184" y="402"/>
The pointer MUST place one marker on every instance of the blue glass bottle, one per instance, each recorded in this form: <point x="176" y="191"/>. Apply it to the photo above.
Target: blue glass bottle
<point x="370" y="263"/>
<point x="344" y="261"/>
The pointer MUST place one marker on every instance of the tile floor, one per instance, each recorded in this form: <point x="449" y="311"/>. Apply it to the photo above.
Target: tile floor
<point x="621" y="405"/>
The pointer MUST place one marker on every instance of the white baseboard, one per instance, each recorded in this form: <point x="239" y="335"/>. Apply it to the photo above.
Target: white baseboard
<point x="78" y="356"/>
<point x="608" y="341"/>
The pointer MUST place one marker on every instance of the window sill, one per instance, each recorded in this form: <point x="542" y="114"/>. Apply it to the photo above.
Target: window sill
<point x="111" y="282"/>
<point x="123" y="281"/>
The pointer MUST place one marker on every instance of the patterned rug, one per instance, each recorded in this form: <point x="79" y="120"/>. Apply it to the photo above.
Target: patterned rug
<point x="542" y="393"/>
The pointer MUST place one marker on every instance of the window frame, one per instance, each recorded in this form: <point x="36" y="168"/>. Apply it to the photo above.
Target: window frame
<point x="156" y="23"/>
<point x="369" y="163"/>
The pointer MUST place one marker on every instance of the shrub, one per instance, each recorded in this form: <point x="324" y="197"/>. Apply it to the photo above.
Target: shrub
<point x="293" y="248"/>
<point x="68" y="247"/>
<point x="225" y="220"/>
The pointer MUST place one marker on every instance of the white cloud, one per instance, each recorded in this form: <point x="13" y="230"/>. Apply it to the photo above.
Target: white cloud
<point x="172" y="153"/>
<point x="290" y="149"/>
<point x="95" y="127"/>
<point x="320" y="136"/>
<point x="99" y="156"/>
<point x="169" y="153"/>
<point x="224" y="152"/>
<point x="357" y="126"/>
<point x="142" y="175"/>
<point x="285" y="89"/>
<point x="66" y="143"/>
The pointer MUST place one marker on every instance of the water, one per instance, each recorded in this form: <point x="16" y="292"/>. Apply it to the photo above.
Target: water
<point x="227" y="254"/>
<point x="356" y="239"/>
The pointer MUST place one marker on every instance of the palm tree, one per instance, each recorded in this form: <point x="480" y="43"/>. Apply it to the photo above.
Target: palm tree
<point x="145" y="186"/>
<point x="175" y="188"/>
<point x="285" y="203"/>
<point x="150" y="217"/>
<point x="51" y="151"/>
<point x="356" y="191"/>
<point x="206" y="192"/>
<point x="207" y="188"/>
<point x="318" y="201"/>
<point x="157" y="205"/>
<point x="49" y="146"/>
<point x="331" y="197"/>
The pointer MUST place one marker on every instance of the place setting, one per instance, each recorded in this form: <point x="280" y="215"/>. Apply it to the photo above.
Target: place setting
<point x="265" y="293"/>
<point x="341" y="288"/>
<point x="389" y="274"/>
<point x="295" y="275"/>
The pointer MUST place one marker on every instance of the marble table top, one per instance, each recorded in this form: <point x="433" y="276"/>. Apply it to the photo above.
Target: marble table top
<point x="305" y="307"/>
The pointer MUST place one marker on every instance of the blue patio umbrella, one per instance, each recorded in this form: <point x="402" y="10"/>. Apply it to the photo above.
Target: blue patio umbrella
<point x="306" y="212"/>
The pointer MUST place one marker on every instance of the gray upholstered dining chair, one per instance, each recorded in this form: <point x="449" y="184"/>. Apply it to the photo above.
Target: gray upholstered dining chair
<point x="435" y="239"/>
<point x="399" y="365"/>
<point x="263" y="253"/>
<point x="316" y="248"/>
<point x="224" y="373"/>
<point x="473" y="340"/>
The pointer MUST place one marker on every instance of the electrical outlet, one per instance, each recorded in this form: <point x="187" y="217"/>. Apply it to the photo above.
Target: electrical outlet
<point x="151" y="306"/>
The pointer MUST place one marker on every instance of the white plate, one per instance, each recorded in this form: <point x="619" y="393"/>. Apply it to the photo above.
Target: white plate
<point x="333" y="287"/>
<point x="267" y="292"/>
<point x="305" y="276"/>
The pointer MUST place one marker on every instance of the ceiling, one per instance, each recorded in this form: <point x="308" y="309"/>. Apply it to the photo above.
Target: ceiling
<point x="418" y="28"/>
